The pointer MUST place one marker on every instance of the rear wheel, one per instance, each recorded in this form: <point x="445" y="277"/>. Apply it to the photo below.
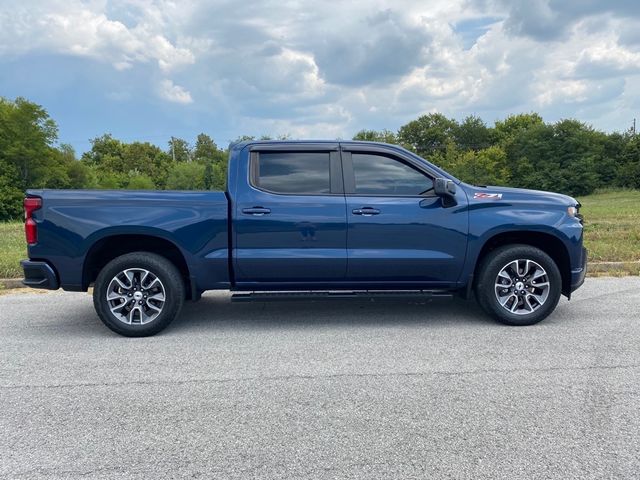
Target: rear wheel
<point x="138" y="294"/>
<point x="518" y="285"/>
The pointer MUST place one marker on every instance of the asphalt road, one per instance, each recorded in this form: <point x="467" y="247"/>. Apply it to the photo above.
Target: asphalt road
<point x="343" y="389"/>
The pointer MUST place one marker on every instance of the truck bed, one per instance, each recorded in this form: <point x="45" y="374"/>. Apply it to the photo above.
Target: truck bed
<point x="73" y="223"/>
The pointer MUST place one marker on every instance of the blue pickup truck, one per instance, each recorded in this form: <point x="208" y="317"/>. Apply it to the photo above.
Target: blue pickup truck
<point x="307" y="219"/>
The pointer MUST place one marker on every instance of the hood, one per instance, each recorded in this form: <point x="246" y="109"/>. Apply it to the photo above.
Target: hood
<point x="510" y="195"/>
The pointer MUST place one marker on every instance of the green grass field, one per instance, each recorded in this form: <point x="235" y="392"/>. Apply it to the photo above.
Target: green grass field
<point x="612" y="233"/>
<point x="13" y="248"/>
<point x="612" y="225"/>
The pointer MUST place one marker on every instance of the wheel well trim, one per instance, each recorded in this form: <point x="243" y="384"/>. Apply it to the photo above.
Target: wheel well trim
<point x="491" y="242"/>
<point x="101" y="237"/>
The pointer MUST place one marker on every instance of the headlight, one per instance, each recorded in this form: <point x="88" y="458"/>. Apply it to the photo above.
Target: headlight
<point x="574" y="212"/>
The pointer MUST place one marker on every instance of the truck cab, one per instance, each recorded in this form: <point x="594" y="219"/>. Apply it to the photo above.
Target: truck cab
<point x="351" y="214"/>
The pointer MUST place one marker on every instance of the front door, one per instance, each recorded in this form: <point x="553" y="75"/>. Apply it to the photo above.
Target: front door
<point x="290" y="224"/>
<point x="399" y="232"/>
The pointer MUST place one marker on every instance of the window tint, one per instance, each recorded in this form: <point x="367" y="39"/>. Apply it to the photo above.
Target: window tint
<point x="293" y="172"/>
<point x="379" y="175"/>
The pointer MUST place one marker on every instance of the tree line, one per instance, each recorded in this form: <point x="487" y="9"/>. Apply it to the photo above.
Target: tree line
<point x="522" y="151"/>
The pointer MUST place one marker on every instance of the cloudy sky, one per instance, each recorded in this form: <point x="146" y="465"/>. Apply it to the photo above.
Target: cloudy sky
<point x="145" y="69"/>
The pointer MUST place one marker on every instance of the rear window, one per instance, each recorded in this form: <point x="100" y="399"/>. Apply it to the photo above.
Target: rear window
<point x="293" y="172"/>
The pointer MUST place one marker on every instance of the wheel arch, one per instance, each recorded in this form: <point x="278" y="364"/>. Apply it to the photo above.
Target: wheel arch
<point x="547" y="242"/>
<point x="112" y="246"/>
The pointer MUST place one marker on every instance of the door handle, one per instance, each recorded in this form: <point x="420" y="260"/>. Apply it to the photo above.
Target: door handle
<point x="256" y="211"/>
<point x="365" y="211"/>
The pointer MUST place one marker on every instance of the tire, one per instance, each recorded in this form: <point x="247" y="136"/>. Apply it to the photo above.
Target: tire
<point x="510" y="267"/>
<point x="158" y="295"/>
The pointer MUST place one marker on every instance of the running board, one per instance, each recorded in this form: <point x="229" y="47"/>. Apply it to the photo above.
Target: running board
<point x="327" y="295"/>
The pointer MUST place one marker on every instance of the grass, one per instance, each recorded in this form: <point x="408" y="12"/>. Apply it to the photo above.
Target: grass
<point x="612" y="225"/>
<point x="13" y="248"/>
<point x="612" y="234"/>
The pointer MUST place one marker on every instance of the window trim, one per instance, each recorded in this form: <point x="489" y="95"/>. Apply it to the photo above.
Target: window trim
<point x="350" y="176"/>
<point x="336" y="184"/>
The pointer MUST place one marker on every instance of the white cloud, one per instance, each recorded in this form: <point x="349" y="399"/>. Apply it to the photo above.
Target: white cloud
<point x="74" y="28"/>
<point x="332" y="68"/>
<point x="174" y="93"/>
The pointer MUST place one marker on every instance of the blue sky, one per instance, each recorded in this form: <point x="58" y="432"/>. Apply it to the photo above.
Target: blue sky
<point x="146" y="70"/>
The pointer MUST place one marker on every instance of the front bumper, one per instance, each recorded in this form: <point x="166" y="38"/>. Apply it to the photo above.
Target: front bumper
<point x="39" y="274"/>
<point x="578" y="274"/>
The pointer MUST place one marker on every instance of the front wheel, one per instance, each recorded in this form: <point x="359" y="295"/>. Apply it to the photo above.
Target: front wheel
<point x="138" y="294"/>
<point x="518" y="285"/>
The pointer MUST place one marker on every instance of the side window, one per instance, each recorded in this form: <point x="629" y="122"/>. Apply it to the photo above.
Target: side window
<point x="293" y="172"/>
<point x="380" y="175"/>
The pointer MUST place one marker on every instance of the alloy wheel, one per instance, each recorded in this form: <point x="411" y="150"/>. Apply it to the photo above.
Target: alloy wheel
<point x="136" y="296"/>
<point x="522" y="286"/>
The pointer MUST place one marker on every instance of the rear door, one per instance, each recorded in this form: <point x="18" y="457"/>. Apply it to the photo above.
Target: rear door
<point x="399" y="232"/>
<point x="290" y="223"/>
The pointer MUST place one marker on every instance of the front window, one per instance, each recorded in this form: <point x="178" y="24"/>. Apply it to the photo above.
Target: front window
<point x="386" y="176"/>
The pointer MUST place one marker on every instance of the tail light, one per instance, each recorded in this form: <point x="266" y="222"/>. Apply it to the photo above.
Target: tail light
<point x="31" y="204"/>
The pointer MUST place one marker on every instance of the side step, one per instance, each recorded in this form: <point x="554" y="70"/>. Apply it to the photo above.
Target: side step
<point x="339" y="294"/>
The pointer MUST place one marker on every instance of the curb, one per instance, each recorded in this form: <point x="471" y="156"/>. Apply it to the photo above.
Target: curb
<point x="603" y="267"/>
<point x="11" y="283"/>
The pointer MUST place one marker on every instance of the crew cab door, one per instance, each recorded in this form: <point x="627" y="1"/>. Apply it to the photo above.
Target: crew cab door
<point x="290" y="217"/>
<point x="399" y="232"/>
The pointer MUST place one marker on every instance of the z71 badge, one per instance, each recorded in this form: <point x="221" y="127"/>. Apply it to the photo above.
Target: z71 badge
<point x="487" y="196"/>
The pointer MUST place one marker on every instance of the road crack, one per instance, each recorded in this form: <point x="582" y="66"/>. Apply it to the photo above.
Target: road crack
<point x="317" y="377"/>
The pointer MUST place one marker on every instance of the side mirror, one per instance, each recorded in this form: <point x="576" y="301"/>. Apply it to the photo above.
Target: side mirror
<point x="443" y="187"/>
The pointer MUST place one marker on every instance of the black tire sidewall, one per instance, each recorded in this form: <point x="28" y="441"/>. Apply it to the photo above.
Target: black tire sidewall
<point x="491" y="266"/>
<point x="159" y="266"/>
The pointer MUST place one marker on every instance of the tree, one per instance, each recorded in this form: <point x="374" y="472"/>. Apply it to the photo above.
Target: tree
<point x="112" y="159"/>
<point x="138" y="181"/>
<point x="220" y="176"/>
<point x="384" y="136"/>
<point x="104" y="150"/>
<point x="629" y="174"/>
<point x="147" y="159"/>
<point x="520" y="150"/>
<point x="109" y="180"/>
<point x="208" y="175"/>
<point x="205" y="149"/>
<point x="428" y="134"/>
<point x="559" y="157"/>
<point x="473" y="134"/>
<point x="80" y="175"/>
<point x="10" y="195"/>
<point x="244" y="138"/>
<point x="207" y="153"/>
<point x="27" y="134"/>
<point x="484" y="167"/>
<point x="179" y="149"/>
<point x="27" y="156"/>
<point x="186" y="176"/>
<point x="513" y="125"/>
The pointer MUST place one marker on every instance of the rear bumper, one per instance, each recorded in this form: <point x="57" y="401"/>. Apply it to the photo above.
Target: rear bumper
<point x="578" y="274"/>
<point x="39" y="274"/>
